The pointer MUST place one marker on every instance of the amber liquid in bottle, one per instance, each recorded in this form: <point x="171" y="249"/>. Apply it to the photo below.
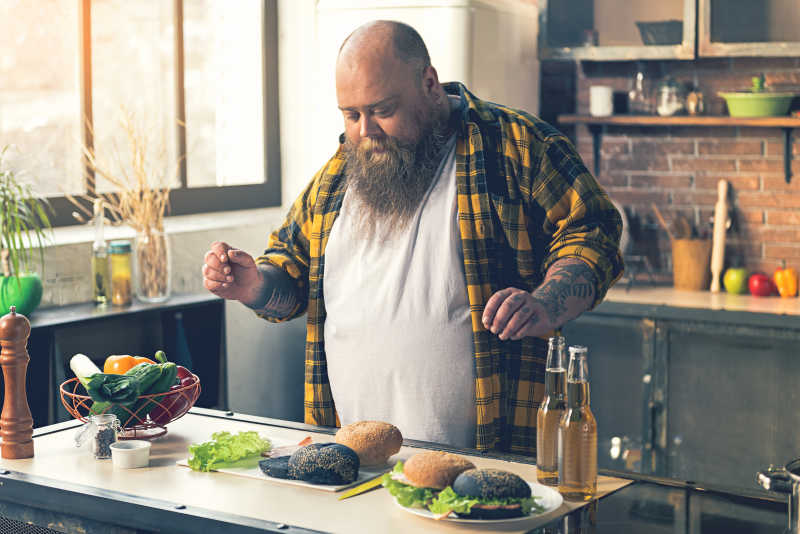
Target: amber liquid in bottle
<point x="550" y="412"/>
<point x="577" y="446"/>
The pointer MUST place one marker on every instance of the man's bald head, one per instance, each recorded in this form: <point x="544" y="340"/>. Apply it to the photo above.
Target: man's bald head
<point x="386" y="38"/>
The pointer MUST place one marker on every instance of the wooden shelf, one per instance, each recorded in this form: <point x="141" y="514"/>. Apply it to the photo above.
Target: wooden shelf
<point x="683" y="120"/>
<point x="596" y="124"/>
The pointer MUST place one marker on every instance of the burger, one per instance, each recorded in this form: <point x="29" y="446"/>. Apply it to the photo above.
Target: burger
<point x="416" y="482"/>
<point x="373" y="441"/>
<point x="486" y="494"/>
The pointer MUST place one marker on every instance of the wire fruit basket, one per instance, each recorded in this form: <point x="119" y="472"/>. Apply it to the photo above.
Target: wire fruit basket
<point x="147" y="418"/>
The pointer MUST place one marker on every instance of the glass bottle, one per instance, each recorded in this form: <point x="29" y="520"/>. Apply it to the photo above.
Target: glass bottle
<point x="550" y="412"/>
<point x="577" y="444"/>
<point x="639" y="102"/>
<point x="100" y="285"/>
<point x="120" y="252"/>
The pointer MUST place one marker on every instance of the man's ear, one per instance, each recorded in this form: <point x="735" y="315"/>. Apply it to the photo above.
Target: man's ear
<point x="430" y="80"/>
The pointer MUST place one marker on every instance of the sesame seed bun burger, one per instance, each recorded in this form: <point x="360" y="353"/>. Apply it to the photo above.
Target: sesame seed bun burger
<point x="417" y="481"/>
<point x="486" y="494"/>
<point x="374" y="441"/>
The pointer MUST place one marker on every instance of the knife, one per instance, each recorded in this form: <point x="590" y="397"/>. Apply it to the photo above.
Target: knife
<point x="363" y="487"/>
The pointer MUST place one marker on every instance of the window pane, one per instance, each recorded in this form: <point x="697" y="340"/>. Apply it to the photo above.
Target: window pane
<point x="224" y="61"/>
<point x="39" y="94"/>
<point x="134" y="71"/>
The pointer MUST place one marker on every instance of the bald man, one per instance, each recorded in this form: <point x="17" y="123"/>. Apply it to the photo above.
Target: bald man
<point x="434" y="253"/>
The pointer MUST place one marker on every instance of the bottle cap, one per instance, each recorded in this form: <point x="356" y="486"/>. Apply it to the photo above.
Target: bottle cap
<point x="119" y="247"/>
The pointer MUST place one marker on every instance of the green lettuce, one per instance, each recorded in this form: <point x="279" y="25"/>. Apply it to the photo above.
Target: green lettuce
<point x="450" y="500"/>
<point x="406" y="495"/>
<point x="228" y="450"/>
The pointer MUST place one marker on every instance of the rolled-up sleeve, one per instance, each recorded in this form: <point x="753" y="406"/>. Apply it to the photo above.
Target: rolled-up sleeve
<point x="288" y="250"/>
<point x="580" y="218"/>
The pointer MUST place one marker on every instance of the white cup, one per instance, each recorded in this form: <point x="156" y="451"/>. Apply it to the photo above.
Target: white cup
<point x="601" y="101"/>
<point x="130" y="454"/>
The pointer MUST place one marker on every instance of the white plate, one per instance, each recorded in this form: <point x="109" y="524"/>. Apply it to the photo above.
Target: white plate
<point x="550" y="500"/>
<point x="364" y="473"/>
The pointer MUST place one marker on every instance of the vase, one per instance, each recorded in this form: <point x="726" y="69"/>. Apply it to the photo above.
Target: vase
<point x="24" y="292"/>
<point x="151" y="265"/>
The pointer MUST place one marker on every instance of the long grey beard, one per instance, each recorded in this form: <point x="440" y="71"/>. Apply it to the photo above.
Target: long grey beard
<point x="391" y="186"/>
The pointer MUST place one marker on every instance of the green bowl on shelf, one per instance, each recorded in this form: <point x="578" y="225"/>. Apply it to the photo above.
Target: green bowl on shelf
<point x="765" y="104"/>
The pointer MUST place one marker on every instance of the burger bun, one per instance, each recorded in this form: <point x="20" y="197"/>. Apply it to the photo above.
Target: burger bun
<point x="435" y="469"/>
<point x="373" y="441"/>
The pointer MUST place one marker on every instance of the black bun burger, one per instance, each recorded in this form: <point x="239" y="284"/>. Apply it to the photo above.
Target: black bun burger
<point x="486" y="494"/>
<point x="318" y="463"/>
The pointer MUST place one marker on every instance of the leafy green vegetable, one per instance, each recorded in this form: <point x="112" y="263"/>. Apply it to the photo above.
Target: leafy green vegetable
<point x="406" y="495"/>
<point x="121" y="389"/>
<point x="226" y="449"/>
<point x="450" y="500"/>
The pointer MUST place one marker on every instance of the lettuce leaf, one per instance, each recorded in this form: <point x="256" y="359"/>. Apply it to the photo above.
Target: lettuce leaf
<point x="227" y="450"/>
<point x="450" y="500"/>
<point x="407" y="495"/>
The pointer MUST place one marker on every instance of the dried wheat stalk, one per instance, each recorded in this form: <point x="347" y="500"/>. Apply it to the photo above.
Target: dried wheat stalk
<point x="141" y="200"/>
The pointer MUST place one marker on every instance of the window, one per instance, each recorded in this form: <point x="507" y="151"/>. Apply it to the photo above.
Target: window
<point x="199" y="75"/>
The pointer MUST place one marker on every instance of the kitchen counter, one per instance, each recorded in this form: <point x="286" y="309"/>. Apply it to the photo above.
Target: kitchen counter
<point x="669" y="303"/>
<point x="64" y="488"/>
<point x="170" y="498"/>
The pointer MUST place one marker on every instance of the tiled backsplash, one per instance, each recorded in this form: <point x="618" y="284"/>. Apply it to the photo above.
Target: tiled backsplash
<point x="679" y="167"/>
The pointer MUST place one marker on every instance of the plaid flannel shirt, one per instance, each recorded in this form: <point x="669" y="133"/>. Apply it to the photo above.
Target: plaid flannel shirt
<point x="525" y="200"/>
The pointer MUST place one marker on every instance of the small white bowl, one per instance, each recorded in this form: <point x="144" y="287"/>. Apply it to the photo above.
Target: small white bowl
<point x="129" y="454"/>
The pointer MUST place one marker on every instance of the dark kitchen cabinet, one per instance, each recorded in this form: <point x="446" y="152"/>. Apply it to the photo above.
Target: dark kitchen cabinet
<point x="189" y="328"/>
<point x="602" y="30"/>
<point x="701" y="395"/>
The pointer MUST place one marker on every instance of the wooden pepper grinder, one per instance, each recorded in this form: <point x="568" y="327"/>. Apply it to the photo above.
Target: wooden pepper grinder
<point x="16" y="423"/>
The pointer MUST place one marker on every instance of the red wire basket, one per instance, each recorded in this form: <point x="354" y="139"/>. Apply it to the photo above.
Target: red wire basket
<point x="164" y="408"/>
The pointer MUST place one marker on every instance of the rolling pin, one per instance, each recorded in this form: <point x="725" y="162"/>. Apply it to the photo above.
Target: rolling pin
<point x="718" y="243"/>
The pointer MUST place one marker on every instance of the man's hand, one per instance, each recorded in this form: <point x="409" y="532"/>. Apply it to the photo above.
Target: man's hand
<point x="232" y="274"/>
<point x="514" y="313"/>
<point x="568" y="290"/>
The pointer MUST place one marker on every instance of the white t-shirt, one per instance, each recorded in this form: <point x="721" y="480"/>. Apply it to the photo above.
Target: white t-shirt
<point x="398" y="332"/>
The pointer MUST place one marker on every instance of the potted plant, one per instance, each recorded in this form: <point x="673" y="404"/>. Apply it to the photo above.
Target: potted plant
<point x="23" y="223"/>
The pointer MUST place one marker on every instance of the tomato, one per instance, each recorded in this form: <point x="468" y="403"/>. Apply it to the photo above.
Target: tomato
<point x="183" y="372"/>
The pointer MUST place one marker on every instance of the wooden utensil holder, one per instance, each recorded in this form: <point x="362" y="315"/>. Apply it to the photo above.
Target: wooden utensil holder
<point x="690" y="264"/>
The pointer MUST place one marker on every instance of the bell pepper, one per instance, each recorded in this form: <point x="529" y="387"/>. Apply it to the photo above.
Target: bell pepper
<point x="786" y="281"/>
<point x="119" y="364"/>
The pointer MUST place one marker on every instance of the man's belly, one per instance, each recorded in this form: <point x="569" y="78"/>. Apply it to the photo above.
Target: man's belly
<point x="417" y="375"/>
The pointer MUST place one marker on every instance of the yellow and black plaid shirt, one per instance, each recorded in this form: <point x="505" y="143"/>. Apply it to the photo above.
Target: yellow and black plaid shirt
<point x="525" y="199"/>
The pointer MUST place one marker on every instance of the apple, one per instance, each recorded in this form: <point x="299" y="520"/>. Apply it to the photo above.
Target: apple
<point x="735" y="280"/>
<point x="760" y="285"/>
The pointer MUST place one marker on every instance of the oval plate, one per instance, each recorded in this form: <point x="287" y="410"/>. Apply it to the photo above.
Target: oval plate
<point x="550" y="500"/>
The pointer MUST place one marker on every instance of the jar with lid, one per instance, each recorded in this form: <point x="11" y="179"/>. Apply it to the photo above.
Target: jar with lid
<point x="101" y="431"/>
<point x="120" y="254"/>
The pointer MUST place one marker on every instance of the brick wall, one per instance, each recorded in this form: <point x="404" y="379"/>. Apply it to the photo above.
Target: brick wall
<point x="678" y="168"/>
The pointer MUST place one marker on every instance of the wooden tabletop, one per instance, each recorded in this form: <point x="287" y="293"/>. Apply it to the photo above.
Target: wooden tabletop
<point x="56" y="458"/>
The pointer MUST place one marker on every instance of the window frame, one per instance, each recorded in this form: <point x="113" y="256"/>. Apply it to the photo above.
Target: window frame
<point x="183" y="199"/>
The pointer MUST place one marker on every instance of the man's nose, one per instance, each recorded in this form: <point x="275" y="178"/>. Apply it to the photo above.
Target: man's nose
<point x="368" y="126"/>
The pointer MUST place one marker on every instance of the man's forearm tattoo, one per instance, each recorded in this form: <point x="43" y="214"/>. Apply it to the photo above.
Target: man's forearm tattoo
<point x="278" y="297"/>
<point x="566" y="279"/>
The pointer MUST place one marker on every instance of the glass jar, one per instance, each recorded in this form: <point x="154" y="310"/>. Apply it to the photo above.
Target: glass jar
<point x="101" y="431"/>
<point x="152" y="277"/>
<point x="120" y="254"/>
<point x="671" y="98"/>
